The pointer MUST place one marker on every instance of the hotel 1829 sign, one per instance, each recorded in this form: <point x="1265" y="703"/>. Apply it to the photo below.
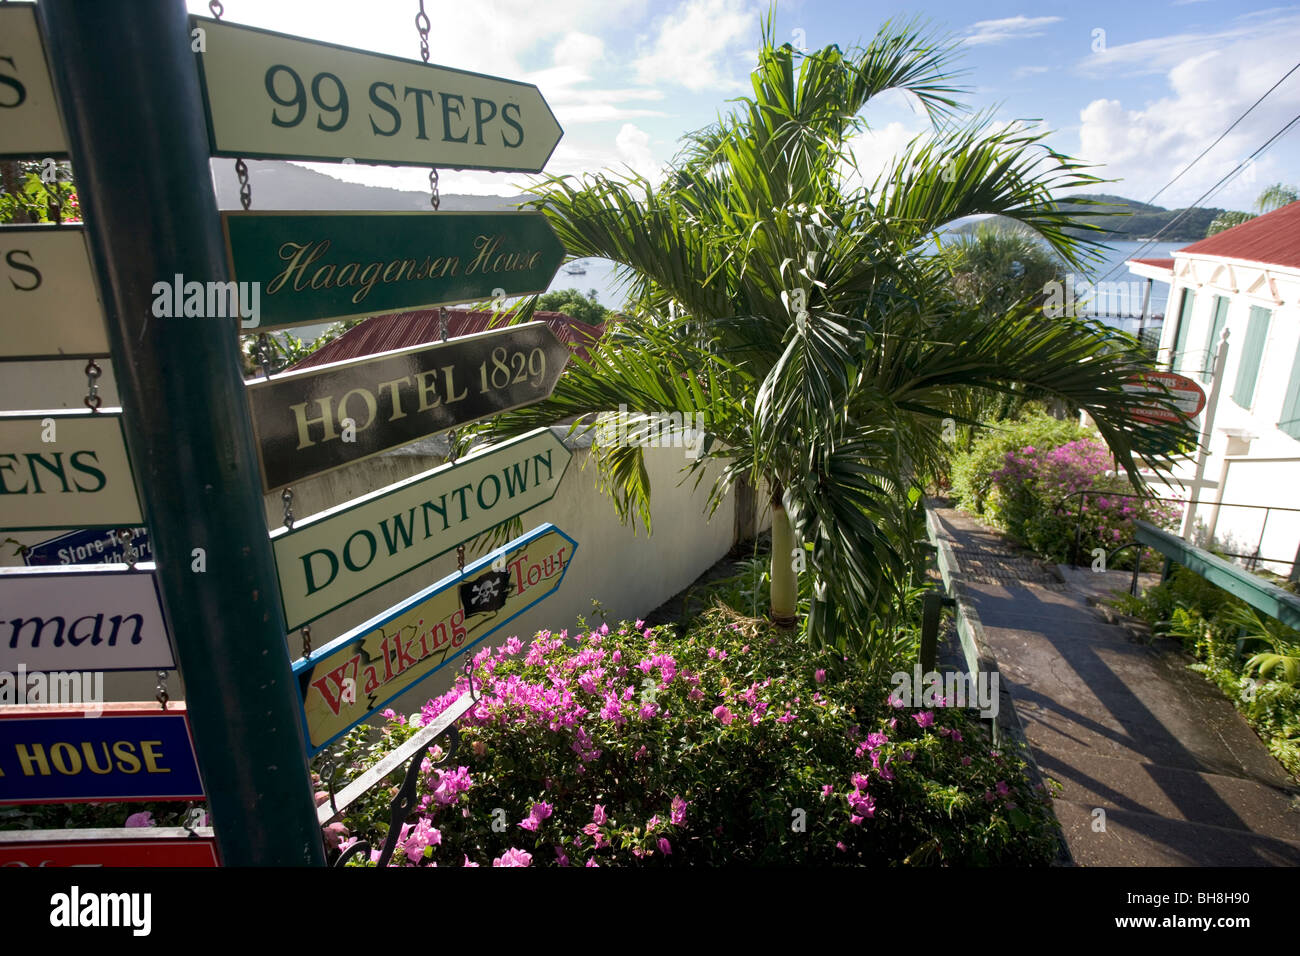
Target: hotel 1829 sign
<point x="327" y="266"/>
<point x="318" y="419"/>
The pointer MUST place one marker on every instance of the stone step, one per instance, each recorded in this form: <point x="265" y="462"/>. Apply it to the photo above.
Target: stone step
<point x="1143" y="839"/>
<point x="1232" y="803"/>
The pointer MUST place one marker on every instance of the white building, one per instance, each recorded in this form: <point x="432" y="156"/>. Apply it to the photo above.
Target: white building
<point x="1245" y="280"/>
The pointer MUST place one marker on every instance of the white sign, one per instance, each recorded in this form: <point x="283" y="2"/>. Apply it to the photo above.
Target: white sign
<point x="282" y="97"/>
<point x="48" y="304"/>
<point x="99" y="618"/>
<point x="29" y="116"/>
<point x="62" y="469"/>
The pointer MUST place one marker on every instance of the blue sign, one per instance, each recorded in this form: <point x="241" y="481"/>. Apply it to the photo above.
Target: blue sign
<point x="130" y="752"/>
<point x="96" y="546"/>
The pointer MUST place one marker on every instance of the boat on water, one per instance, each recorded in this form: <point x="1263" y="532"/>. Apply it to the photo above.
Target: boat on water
<point x="575" y="270"/>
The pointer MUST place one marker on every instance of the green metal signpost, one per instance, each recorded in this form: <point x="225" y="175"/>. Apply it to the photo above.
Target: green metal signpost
<point x="129" y="89"/>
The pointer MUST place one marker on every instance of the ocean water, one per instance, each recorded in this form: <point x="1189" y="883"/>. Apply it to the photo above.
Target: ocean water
<point x="1123" y="292"/>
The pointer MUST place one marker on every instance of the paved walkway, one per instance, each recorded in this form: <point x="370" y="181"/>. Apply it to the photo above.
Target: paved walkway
<point x="1123" y="726"/>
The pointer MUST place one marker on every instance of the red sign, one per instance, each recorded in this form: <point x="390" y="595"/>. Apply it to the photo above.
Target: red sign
<point x="1189" y="396"/>
<point x="133" y="846"/>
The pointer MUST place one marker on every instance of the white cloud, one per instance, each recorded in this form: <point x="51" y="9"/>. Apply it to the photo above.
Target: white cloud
<point x="1008" y="28"/>
<point x="1024" y="71"/>
<point x="699" y="46"/>
<point x="633" y="145"/>
<point x="1164" y="53"/>
<point x="1148" y="145"/>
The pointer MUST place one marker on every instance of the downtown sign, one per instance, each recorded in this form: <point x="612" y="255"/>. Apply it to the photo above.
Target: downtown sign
<point x="315" y="420"/>
<point x="328" y="559"/>
<point x="313" y="267"/>
<point x="354" y="676"/>
<point x="274" y="96"/>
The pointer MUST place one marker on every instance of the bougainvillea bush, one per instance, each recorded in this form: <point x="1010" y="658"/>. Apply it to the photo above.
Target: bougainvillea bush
<point x="1030" y="489"/>
<point x="735" y="744"/>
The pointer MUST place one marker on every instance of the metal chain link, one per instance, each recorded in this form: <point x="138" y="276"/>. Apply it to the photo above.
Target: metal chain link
<point x="128" y="546"/>
<point x="422" y="25"/>
<point x="245" y="190"/>
<point x="161" y="693"/>
<point x="287" y="497"/>
<point x="451" y="435"/>
<point x="93" y="371"/>
<point x="216" y="8"/>
<point x="460" y="558"/>
<point x="264" y="353"/>
<point x="306" y="640"/>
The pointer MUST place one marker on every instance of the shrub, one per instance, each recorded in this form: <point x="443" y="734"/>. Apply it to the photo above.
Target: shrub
<point x="1032" y="486"/>
<point x="732" y="744"/>
<point x="1209" y="622"/>
<point x="972" y="469"/>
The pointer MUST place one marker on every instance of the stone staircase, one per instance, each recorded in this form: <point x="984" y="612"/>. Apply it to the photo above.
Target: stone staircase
<point x="1156" y="767"/>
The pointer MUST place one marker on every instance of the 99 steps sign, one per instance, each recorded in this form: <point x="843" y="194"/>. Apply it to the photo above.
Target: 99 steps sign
<point x="276" y="96"/>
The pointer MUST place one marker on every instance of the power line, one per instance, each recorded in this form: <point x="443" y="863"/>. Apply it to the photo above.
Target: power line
<point x="1222" y="182"/>
<point x="1223" y="134"/>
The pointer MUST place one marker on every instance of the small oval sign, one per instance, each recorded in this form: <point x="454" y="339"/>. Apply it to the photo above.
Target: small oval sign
<point x="1187" y="393"/>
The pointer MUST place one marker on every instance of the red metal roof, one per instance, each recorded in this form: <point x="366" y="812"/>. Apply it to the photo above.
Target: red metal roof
<point x="1157" y="263"/>
<point x="1273" y="238"/>
<point x="383" y="333"/>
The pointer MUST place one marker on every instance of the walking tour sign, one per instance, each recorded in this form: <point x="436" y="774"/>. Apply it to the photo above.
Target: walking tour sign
<point x="335" y="556"/>
<point x="353" y="677"/>
<point x="318" y="419"/>
<point x="315" y="267"/>
<point x="276" y="96"/>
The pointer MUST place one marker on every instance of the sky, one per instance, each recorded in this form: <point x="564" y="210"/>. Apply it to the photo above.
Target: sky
<point x="1135" y="89"/>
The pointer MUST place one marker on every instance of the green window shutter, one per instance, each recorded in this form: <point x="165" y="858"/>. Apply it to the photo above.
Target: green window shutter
<point x="1216" y="329"/>
<point x="1252" y="352"/>
<point x="1180" y="334"/>
<point x="1290" y="421"/>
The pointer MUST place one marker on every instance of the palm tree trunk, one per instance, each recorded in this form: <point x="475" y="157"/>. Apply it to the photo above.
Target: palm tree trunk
<point x="784" y="583"/>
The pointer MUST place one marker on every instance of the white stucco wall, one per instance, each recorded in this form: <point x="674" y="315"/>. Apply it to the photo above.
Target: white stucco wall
<point x="1262" y="462"/>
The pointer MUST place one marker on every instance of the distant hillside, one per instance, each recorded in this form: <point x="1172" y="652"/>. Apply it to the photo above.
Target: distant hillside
<point x="1130" y="220"/>
<point x="286" y="186"/>
<point x="1141" y="221"/>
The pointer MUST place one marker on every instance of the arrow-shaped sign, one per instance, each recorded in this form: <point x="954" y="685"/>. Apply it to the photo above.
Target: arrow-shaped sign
<point x="335" y="556"/>
<point x="277" y="96"/>
<point x="353" y="677"/>
<point x="322" y="418"/>
<point x="326" y="266"/>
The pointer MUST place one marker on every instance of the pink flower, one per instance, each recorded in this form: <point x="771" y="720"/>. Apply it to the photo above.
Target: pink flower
<point x="143" y="819"/>
<point x="514" y="646"/>
<point x="677" y="817"/>
<point x="514" y="857"/>
<point x="592" y="862"/>
<point x="820" y="675"/>
<point x="598" y="816"/>
<point x="965" y="761"/>
<point x="468" y="861"/>
<point x="665" y="847"/>
<point x="334" y="834"/>
<point x="827" y="790"/>
<point x="535" y="817"/>
<point x="924" y="719"/>
<point x="560" y="857"/>
<point x="1002" y="788"/>
<point x="723" y="714"/>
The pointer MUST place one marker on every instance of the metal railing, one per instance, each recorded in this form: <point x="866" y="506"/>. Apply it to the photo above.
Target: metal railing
<point x="1252" y="560"/>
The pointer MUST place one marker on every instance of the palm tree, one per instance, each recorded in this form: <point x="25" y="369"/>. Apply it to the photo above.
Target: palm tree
<point x="1274" y="197"/>
<point x="804" y="318"/>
